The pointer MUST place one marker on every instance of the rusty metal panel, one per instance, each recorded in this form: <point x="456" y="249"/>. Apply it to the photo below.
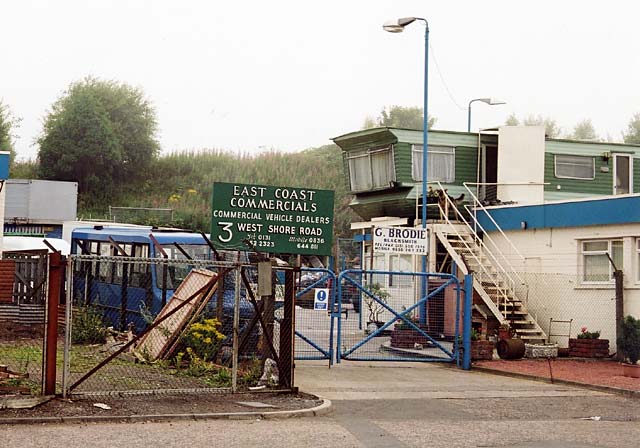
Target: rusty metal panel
<point x="7" y="275"/>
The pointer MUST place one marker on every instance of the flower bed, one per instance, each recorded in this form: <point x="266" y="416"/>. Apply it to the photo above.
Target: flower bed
<point x="589" y="348"/>
<point x="408" y="337"/>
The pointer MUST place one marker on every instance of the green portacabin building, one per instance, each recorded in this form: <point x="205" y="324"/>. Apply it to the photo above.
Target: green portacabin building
<point x="383" y="167"/>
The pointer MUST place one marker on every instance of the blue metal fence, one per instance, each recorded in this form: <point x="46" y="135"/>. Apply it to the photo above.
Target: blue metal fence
<point x="315" y="303"/>
<point x="394" y="321"/>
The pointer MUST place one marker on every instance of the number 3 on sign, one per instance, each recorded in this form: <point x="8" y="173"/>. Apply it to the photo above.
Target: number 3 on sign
<point x="226" y="227"/>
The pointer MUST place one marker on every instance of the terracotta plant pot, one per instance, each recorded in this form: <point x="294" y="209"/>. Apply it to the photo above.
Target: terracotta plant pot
<point x="631" y="370"/>
<point x="504" y="333"/>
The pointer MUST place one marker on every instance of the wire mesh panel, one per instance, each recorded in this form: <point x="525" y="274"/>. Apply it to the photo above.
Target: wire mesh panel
<point x="397" y="319"/>
<point x="560" y="298"/>
<point x="21" y="349"/>
<point x="156" y="324"/>
<point x="315" y="303"/>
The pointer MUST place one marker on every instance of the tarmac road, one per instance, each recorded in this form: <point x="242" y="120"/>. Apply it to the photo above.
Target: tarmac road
<point x="388" y="405"/>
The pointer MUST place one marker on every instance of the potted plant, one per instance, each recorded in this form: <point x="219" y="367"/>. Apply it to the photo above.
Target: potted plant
<point x="629" y="345"/>
<point x="587" y="344"/>
<point x="404" y="335"/>
<point x="481" y="349"/>
<point x="505" y="331"/>
<point x="374" y="306"/>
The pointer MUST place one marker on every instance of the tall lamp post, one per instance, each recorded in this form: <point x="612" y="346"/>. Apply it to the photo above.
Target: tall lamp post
<point x="489" y="101"/>
<point x="398" y="26"/>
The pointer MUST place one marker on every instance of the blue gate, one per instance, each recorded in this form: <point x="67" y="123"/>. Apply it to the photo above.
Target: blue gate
<point x="314" y="321"/>
<point x="402" y="316"/>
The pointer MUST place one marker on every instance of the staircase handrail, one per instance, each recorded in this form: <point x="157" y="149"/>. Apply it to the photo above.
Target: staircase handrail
<point x="496" y="263"/>
<point x="502" y="296"/>
<point x="478" y="204"/>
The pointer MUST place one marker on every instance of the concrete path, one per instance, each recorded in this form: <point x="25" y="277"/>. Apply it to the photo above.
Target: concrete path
<point x="426" y="404"/>
<point x="355" y="380"/>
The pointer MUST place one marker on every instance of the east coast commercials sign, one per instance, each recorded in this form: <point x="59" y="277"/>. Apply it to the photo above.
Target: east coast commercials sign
<point x="400" y="240"/>
<point x="272" y="219"/>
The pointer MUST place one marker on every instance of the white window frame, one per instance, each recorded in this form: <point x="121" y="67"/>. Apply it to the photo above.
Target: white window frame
<point x="366" y="153"/>
<point x="560" y="176"/>
<point x="584" y="253"/>
<point x="416" y="163"/>
<point x="637" y="260"/>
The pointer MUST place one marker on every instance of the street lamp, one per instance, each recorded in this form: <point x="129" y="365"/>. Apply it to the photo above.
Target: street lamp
<point x="398" y="26"/>
<point x="489" y="101"/>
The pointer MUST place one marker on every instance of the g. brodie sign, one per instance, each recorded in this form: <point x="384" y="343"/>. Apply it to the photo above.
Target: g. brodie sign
<point x="400" y="240"/>
<point x="272" y="219"/>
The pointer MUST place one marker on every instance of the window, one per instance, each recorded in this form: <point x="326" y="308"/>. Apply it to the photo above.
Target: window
<point x="574" y="167"/>
<point x="595" y="262"/>
<point x="371" y="169"/>
<point x="441" y="161"/>
<point x="401" y="263"/>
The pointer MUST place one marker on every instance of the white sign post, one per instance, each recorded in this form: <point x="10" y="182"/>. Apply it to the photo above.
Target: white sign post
<point x="400" y="240"/>
<point x="321" y="299"/>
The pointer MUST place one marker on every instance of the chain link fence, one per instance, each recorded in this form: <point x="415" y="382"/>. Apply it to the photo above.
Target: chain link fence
<point x="562" y="307"/>
<point x="315" y="299"/>
<point x="153" y="325"/>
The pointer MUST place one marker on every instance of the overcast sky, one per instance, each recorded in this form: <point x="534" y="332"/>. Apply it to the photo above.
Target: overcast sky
<point x="250" y="75"/>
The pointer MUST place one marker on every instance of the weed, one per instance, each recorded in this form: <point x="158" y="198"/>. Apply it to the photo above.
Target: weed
<point x="88" y="327"/>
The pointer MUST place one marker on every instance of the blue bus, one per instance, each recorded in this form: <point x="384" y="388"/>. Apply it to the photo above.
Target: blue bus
<point x="144" y="287"/>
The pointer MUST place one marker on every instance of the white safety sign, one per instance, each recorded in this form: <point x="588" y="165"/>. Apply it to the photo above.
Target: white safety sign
<point x="321" y="299"/>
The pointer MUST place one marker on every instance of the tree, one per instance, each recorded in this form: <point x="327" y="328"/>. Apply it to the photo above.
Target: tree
<point x="79" y="144"/>
<point x="551" y="128"/>
<point x="100" y="134"/>
<point x="8" y="124"/>
<point x="584" y="130"/>
<point x="400" y="117"/>
<point x="632" y="135"/>
<point x="512" y="120"/>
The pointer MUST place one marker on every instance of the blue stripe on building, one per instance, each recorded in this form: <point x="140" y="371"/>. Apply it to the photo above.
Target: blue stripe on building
<point x="618" y="210"/>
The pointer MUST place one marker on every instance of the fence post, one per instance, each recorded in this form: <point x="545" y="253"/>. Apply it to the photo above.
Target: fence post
<point x="68" y="307"/>
<point x="466" y="325"/>
<point x="236" y="331"/>
<point x="287" y="332"/>
<point x="618" y="276"/>
<point x="56" y="272"/>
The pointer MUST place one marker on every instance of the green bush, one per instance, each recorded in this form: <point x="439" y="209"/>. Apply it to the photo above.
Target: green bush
<point x="88" y="327"/>
<point x="629" y="341"/>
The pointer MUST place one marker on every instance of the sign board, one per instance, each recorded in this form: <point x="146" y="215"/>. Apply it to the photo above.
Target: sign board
<point x="321" y="299"/>
<point x="400" y="240"/>
<point x="272" y="219"/>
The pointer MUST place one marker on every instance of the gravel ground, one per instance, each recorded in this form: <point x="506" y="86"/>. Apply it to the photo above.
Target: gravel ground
<point x="165" y="404"/>
<point x="596" y="372"/>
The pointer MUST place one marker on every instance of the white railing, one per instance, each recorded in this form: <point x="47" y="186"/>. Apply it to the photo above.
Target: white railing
<point x="473" y="210"/>
<point x="504" y="293"/>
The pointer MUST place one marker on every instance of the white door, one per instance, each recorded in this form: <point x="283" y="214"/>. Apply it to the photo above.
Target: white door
<point x="622" y="174"/>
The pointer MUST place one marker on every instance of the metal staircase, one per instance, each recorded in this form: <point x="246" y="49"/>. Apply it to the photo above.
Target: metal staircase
<point x="495" y="280"/>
